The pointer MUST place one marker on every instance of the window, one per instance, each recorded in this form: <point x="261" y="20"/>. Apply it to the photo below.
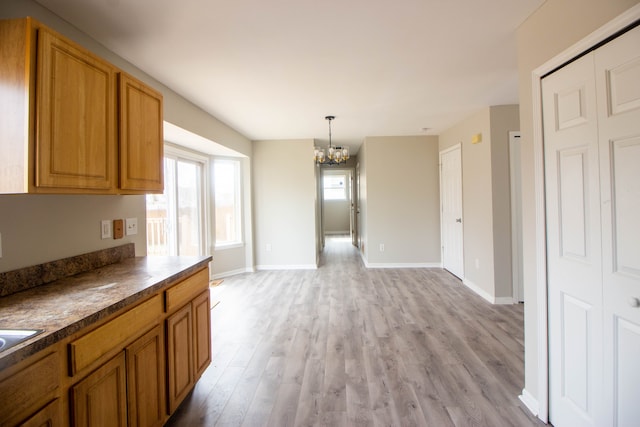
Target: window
<point x="335" y="187"/>
<point x="226" y="190"/>
<point x="176" y="218"/>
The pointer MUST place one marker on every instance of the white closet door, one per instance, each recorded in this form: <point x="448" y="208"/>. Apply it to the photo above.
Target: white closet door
<point x="573" y="245"/>
<point x="451" y="208"/>
<point x="592" y="161"/>
<point x="618" y="82"/>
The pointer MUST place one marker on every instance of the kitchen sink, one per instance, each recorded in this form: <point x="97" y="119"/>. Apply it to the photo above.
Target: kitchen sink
<point x="11" y="337"/>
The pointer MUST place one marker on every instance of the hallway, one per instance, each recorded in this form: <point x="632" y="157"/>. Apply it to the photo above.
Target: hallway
<point x="345" y="345"/>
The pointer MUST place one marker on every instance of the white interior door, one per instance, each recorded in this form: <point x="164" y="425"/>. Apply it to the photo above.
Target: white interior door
<point x="617" y="67"/>
<point x="451" y="210"/>
<point x="591" y="112"/>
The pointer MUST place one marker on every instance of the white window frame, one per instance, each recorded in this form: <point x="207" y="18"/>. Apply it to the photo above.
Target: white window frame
<point x="238" y="205"/>
<point x="179" y="153"/>
<point x="340" y="173"/>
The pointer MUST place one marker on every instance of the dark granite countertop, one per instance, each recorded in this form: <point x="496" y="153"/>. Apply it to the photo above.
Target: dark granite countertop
<point x="70" y="304"/>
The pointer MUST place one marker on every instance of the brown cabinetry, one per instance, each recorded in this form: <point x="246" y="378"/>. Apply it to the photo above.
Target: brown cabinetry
<point x="75" y="110"/>
<point x="73" y="123"/>
<point x="128" y="390"/>
<point x="30" y="394"/>
<point x="146" y="380"/>
<point x="188" y="335"/>
<point x="49" y="416"/>
<point x="102" y="396"/>
<point x="140" y="131"/>
<point x="132" y="368"/>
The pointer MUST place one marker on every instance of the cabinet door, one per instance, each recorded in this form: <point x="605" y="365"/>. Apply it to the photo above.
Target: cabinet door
<point x="146" y="380"/>
<point x="101" y="398"/>
<point x="76" y="131"/>
<point x="141" y="141"/>
<point x="180" y="356"/>
<point x="49" y="416"/>
<point x="201" y="333"/>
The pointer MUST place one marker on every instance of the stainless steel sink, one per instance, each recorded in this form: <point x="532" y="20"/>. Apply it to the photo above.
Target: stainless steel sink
<point x="11" y="337"/>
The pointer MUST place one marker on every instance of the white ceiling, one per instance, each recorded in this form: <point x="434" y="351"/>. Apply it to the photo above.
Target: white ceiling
<point x="273" y="69"/>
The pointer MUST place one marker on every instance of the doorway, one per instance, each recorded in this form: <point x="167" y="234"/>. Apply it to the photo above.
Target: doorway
<point x="516" y="216"/>
<point x="337" y="199"/>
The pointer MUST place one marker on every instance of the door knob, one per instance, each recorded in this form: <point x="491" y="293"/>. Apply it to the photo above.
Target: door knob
<point x="634" y="302"/>
<point x="459" y="220"/>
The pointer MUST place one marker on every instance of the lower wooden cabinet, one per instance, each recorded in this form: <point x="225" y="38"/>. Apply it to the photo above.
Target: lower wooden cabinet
<point x="128" y="390"/>
<point x="28" y="393"/>
<point x="101" y="398"/>
<point x="188" y="347"/>
<point x="49" y="416"/>
<point x="146" y="380"/>
<point x="132" y="370"/>
<point x="180" y="356"/>
<point x="201" y="333"/>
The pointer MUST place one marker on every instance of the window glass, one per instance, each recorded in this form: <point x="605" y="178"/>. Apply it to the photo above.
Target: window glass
<point x="335" y="187"/>
<point x="175" y="219"/>
<point x="226" y="184"/>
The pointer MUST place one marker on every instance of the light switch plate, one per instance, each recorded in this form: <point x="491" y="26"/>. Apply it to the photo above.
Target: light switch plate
<point x="105" y="229"/>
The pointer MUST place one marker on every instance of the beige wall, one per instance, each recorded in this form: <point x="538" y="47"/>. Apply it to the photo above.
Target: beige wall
<point x="64" y="231"/>
<point x="284" y="204"/>
<point x="486" y="198"/>
<point x="402" y="200"/>
<point x="553" y="28"/>
<point x="41" y="228"/>
<point x="504" y="119"/>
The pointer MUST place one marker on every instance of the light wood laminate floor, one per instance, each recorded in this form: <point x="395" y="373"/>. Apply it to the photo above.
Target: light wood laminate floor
<point x="348" y="346"/>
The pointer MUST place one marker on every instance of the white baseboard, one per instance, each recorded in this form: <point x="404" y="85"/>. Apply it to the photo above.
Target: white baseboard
<point x="231" y="273"/>
<point x="345" y="233"/>
<point x="530" y="402"/>
<point x="287" y="267"/>
<point x="487" y="296"/>
<point x="403" y="265"/>
<point x="503" y="301"/>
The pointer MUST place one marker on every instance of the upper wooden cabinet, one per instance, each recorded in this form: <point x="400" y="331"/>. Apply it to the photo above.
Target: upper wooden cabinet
<point x="140" y="131"/>
<point x="75" y="117"/>
<point x="73" y="122"/>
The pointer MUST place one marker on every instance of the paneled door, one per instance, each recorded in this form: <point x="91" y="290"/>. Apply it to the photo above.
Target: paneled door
<point x="451" y="210"/>
<point x="591" y="111"/>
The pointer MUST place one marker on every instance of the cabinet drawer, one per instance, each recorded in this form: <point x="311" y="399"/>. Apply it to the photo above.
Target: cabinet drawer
<point x="29" y="388"/>
<point x="185" y="291"/>
<point x="99" y="342"/>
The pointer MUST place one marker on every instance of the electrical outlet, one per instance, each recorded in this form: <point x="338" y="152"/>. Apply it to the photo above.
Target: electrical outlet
<point x="105" y="229"/>
<point x="381" y="247"/>
<point x="118" y="228"/>
<point x="268" y="247"/>
<point x="131" y="226"/>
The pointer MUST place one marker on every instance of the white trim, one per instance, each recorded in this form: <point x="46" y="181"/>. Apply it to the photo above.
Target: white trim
<point x="486" y="295"/>
<point x="224" y="246"/>
<point x="345" y="233"/>
<point x="403" y="265"/>
<point x="623" y="20"/>
<point x="515" y="177"/>
<point x="232" y="273"/>
<point x="530" y="402"/>
<point x="287" y="267"/>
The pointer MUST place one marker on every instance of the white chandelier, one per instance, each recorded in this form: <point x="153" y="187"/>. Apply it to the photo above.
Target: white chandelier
<point x="334" y="155"/>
